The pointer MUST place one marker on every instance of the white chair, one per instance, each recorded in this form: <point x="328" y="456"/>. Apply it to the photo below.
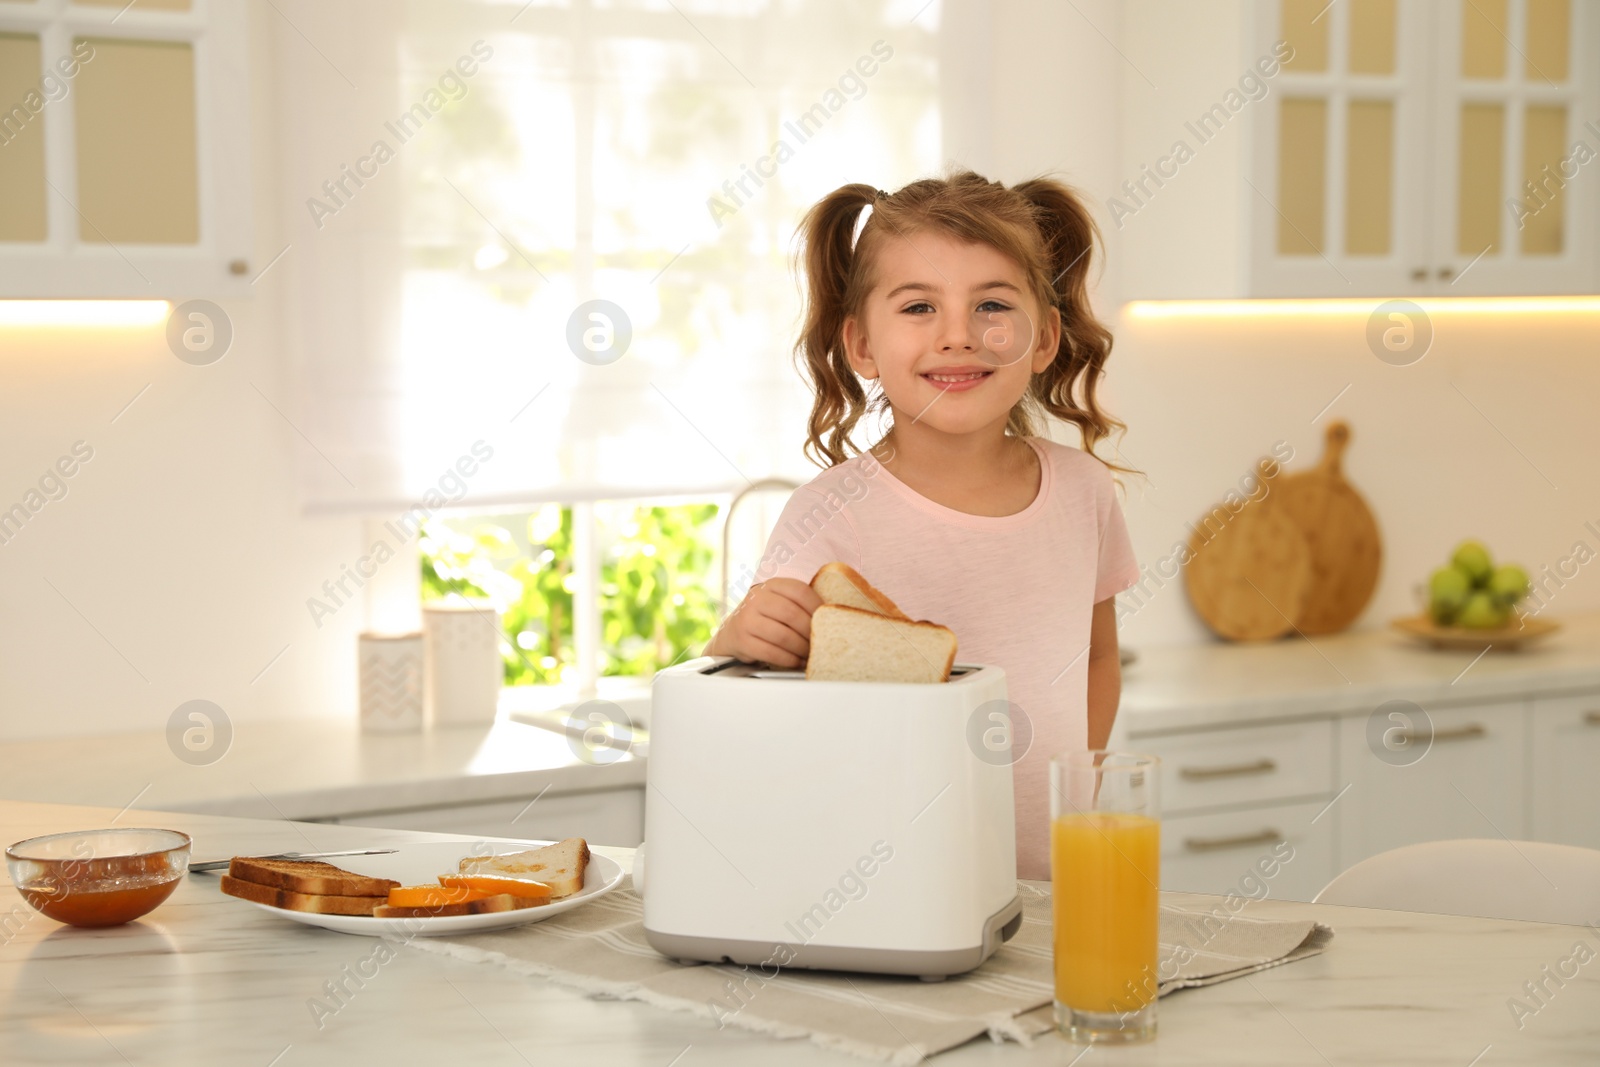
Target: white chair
<point x="1530" y="880"/>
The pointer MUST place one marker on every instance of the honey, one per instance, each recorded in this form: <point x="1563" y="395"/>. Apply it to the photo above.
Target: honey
<point x="107" y="902"/>
<point x="100" y="892"/>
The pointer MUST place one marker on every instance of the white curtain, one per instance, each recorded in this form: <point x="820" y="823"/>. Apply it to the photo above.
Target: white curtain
<point x="460" y="177"/>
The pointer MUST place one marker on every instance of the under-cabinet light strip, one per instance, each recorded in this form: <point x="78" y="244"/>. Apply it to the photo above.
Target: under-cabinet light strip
<point x="83" y="312"/>
<point x="1456" y="305"/>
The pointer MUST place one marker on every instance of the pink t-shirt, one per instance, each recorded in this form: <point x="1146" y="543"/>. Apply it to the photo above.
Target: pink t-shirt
<point x="1017" y="590"/>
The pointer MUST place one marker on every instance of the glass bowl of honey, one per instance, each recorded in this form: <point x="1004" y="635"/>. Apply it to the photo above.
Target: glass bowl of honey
<point x="99" y="877"/>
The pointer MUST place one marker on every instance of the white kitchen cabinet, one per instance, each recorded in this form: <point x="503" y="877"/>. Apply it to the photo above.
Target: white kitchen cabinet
<point x="1469" y="782"/>
<point x="1404" y="148"/>
<point x="1285" y="851"/>
<point x="1237" y="800"/>
<point x="1566" y="751"/>
<point x="124" y="149"/>
<point x="1209" y="769"/>
<point x="1340" y="160"/>
<point x="1425" y="147"/>
<point x="1514" y="93"/>
<point x="601" y="817"/>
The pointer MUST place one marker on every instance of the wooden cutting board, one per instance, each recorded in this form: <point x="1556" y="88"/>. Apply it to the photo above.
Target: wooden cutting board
<point x="1339" y="529"/>
<point x="1249" y="570"/>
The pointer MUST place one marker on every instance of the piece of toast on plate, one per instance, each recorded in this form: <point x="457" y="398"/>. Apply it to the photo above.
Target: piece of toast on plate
<point x="288" y="899"/>
<point x="308" y="877"/>
<point x="480" y="906"/>
<point x="839" y="583"/>
<point x="559" y="866"/>
<point x="854" y="645"/>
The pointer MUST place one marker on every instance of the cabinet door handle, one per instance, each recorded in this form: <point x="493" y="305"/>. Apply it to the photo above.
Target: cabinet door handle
<point x="1419" y="274"/>
<point x="1445" y="273"/>
<point x="1457" y="733"/>
<point x="1591" y="718"/>
<point x="1216" y="844"/>
<point x="1201" y="774"/>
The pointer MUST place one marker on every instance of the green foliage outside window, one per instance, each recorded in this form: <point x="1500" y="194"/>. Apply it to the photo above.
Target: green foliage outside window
<point x="656" y="606"/>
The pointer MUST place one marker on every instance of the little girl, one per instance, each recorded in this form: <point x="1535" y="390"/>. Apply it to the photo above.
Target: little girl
<point x="967" y="304"/>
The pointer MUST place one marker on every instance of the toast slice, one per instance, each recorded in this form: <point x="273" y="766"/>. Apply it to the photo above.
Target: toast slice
<point x="852" y="645"/>
<point x="559" y="866"/>
<point x="483" y="905"/>
<point x="838" y="583"/>
<point x="309" y="877"/>
<point x="321" y="903"/>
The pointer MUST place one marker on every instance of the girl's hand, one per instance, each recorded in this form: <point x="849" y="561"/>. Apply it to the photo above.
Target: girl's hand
<point x="771" y="625"/>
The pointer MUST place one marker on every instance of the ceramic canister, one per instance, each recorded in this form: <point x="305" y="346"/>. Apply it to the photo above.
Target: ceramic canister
<point x="392" y="691"/>
<point x="465" y="670"/>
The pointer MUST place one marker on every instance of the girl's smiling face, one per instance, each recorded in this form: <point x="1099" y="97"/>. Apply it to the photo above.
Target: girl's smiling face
<point x="951" y="331"/>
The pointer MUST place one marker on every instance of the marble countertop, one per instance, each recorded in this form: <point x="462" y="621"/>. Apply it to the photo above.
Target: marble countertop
<point x="304" y="769"/>
<point x="1173" y="687"/>
<point x="208" y="980"/>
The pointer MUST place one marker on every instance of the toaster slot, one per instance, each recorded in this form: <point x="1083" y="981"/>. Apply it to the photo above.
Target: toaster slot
<point x="738" y="669"/>
<point x="955" y="672"/>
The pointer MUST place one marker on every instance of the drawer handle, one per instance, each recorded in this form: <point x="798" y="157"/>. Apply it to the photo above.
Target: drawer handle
<point x="1591" y="718"/>
<point x="1458" y="733"/>
<point x="1216" y="844"/>
<point x="1201" y="774"/>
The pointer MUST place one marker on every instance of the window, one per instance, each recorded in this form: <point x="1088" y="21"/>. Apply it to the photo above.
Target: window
<point x="654" y="590"/>
<point x="564" y="230"/>
<point x="615" y="154"/>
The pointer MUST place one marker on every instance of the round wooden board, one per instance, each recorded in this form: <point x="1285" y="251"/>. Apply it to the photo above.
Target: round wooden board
<point x="1346" y="549"/>
<point x="1461" y="638"/>
<point x="1248" y="576"/>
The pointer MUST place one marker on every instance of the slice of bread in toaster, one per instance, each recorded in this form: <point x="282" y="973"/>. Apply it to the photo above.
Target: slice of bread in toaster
<point x="559" y="866"/>
<point x="852" y="645"/>
<point x="838" y="583"/>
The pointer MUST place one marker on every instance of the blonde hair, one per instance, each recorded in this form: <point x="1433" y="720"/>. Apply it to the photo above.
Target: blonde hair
<point x="1041" y="225"/>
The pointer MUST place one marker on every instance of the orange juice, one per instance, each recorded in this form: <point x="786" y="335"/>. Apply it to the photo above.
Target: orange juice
<point x="1106" y="869"/>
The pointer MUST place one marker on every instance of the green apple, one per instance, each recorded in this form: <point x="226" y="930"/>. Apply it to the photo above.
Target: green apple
<point x="1447" y="591"/>
<point x="1474" y="560"/>
<point x="1482" y="612"/>
<point x="1508" y="584"/>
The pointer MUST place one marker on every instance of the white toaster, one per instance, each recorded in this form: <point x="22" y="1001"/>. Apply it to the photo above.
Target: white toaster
<point x="858" y="826"/>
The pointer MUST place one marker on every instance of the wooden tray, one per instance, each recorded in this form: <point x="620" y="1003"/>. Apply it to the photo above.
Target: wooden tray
<point x="1469" y="640"/>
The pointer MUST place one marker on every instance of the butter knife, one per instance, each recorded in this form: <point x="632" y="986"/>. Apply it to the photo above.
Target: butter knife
<point x="222" y="865"/>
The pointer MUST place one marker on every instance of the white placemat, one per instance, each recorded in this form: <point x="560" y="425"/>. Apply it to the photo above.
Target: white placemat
<point x="601" y="949"/>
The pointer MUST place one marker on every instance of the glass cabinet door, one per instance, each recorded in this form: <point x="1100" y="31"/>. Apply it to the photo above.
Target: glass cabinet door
<point x="123" y="148"/>
<point x="1344" y="145"/>
<point x="22" y="185"/>
<point x="1417" y="147"/>
<point x="1511" y="141"/>
<point x="138" y="175"/>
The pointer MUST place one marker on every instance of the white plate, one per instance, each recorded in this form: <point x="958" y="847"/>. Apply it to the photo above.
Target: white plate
<point x="421" y="864"/>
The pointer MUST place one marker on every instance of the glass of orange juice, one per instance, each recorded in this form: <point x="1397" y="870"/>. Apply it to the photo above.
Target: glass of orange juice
<point x="1105" y="848"/>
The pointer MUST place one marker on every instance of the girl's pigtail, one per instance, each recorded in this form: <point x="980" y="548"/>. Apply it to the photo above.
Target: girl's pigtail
<point x="1069" y="235"/>
<point x="827" y="259"/>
